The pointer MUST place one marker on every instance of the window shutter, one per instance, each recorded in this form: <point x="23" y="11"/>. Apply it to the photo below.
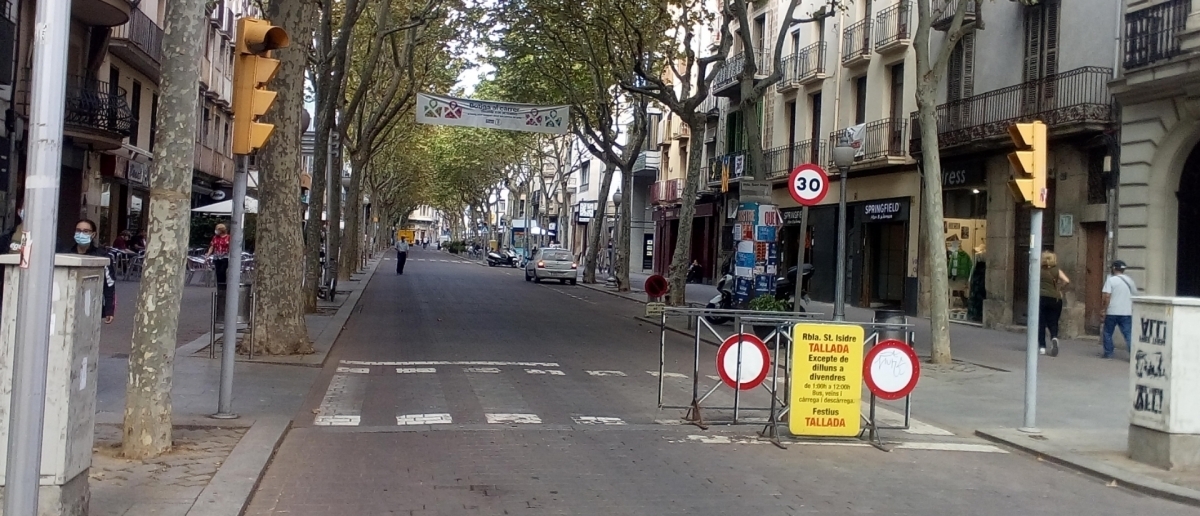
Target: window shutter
<point x="1033" y="51"/>
<point x="968" y="65"/>
<point x="954" y="74"/>
<point x="1050" y="59"/>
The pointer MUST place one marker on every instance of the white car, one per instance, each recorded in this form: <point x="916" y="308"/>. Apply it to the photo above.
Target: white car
<point x="551" y="264"/>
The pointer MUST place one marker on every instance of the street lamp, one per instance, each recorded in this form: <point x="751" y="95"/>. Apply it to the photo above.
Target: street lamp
<point x="612" y="248"/>
<point x="843" y="158"/>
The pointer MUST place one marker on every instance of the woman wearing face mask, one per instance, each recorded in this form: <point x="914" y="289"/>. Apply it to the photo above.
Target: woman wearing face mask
<point x="85" y="244"/>
<point x="218" y="250"/>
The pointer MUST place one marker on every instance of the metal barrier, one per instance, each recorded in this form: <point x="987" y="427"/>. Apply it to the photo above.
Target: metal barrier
<point x="245" y="317"/>
<point x="774" y="329"/>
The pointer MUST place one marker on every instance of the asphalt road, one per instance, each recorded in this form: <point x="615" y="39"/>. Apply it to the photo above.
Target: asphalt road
<point x="460" y="389"/>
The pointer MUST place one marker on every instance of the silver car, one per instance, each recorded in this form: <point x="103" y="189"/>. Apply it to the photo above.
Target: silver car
<point x="551" y="264"/>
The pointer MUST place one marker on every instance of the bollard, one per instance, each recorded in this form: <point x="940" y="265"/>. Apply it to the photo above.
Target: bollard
<point x="890" y="317"/>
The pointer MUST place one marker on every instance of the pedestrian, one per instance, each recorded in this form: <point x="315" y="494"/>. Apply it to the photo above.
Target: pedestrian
<point x="85" y="244"/>
<point x="139" y="243"/>
<point x="122" y="241"/>
<point x="218" y="251"/>
<point x="401" y="254"/>
<point x="1118" y="293"/>
<point x="1053" y="281"/>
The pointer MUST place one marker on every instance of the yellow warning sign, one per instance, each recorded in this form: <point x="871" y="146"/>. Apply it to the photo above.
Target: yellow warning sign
<point x="826" y="380"/>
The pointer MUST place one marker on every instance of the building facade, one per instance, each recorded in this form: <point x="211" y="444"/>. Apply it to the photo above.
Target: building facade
<point x="1160" y="160"/>
<point x="857" y="70"/>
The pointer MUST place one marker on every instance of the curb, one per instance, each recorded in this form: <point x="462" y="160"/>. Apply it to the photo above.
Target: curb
<point x="229" y="490"/>
<point x="1144" y="484"/>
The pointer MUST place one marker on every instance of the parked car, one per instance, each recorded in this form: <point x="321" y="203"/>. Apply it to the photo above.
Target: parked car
<point x="550" y="264"/>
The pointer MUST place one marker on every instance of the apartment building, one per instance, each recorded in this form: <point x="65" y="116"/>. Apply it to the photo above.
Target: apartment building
<point x="858" y="69"/>
<point x="1160" y="157"/>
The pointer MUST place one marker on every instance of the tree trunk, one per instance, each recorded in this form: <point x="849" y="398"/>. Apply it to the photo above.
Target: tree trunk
<point x="316" y="204"/>
<point x="352" y="236"/>
<point x="279" y="325"/>
<point x="682" y="257"/>
<point x="147" y="428"/>
<point x="624" y="228"/>
<point x="593" y="251"/>
<point x="932" y="217"/>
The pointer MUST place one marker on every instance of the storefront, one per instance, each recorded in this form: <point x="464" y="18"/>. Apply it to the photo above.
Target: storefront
<point x="666" y="234"/>
<point x="124" y="196"/>
<point x="964" y="227"/>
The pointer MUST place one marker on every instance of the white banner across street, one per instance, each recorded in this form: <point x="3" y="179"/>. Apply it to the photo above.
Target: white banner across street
<point x="439" y="110"/>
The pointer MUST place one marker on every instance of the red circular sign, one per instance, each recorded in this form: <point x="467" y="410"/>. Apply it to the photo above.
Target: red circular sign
<point x="808" y="184"/>
<point x="891" y="369"/>
<point x="756" y="361"/>
<point x="656" y="286"/>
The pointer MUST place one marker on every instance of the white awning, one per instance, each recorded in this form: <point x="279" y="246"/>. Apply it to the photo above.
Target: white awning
<point x="226" y="207"/>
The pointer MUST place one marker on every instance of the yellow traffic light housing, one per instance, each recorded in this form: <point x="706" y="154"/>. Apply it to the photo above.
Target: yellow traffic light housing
<point x="252" y="70"/>
<point x="1029" y="163"/>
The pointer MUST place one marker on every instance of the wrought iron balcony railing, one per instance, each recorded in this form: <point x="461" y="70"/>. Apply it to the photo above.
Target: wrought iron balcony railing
<point x="803" y="66"/>
<point x="143" y="33"/>
<point x="1077" y="96"/>
<point x="781" y="160"/>
<point x="893" y="26"/>
<point x="944" y="11"/>
<point x="728" y="76"/>
<point x="90" y="104"/>
<point x="728" y="161"/>
<point x="881" y="139"/>
<point x="856" y="41"/>
<point x="1152" y="34"/>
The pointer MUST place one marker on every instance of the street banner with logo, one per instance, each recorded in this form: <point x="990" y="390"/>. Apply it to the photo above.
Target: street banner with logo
<point x="440" y="110"/>
<point x="854" y="137"/>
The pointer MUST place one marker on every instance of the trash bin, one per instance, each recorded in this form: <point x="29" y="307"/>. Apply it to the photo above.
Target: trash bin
<point x="244" y="302"/>
<point x="891" y="317"/>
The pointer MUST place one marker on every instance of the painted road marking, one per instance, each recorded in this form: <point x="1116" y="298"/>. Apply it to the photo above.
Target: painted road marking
<point x="667" y="375"/>
<point x="606" y="373"/>
<point x="669" y="422"/>
<point x="418" y="363"/>
<point x="963" y="447"/>
<point x="887" y="417"/>
<point x="424" y="419"/>
<point x="598" y="420"/>
<point x="342" y="404"/>
<point x="568" y="294"/>
<point x="520" y="419"/>
<point x="551" y="372"/>
<point x="415" y="370"/>
<point x="354" y="370"/>
<point x="491" y="370"/>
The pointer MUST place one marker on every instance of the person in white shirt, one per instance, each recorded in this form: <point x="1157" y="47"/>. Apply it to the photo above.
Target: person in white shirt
<point x="1118" y="294"/>
<point x="401" y="254"/>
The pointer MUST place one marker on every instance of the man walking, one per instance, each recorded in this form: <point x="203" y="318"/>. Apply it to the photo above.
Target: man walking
<point x="1118" y="294"/>
<point x="401" y="254"/>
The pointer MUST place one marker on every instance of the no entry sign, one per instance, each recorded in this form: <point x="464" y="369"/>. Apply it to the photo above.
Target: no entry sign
<point x="755" y="361"/>
<point x="891" y="369"/>
<point x="808" y="184"/>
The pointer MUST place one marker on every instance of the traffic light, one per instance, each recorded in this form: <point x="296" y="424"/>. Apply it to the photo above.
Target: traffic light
<point x="1029" y="163"/>
<point x="253" y="68"/>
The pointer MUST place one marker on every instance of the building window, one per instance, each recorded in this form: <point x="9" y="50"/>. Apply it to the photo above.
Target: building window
<point x="204" y="128"/>
<point x="860" y="100"/>
<point x="960" y="77"/>
<point x="897" y="100"/>
<point x="760" y="35"/>
<point x="1041" y="54"/>
<point x="153" y="120"/>
<point x="814" y="123"/>
<point x="135" y="108"/>
<point x="584" y="179"/>
<point x="1097" y="178"/>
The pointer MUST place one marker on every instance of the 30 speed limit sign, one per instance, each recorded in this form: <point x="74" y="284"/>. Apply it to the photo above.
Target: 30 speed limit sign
<point x="808" y="184"/>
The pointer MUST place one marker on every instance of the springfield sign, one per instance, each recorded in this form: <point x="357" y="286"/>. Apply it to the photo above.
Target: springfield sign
<point x="439" y="110"/>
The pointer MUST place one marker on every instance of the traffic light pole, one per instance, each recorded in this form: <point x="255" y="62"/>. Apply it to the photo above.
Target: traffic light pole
<point x="1031" y="321"/>
<point x="32" y="343"/>
<point x="233" y="286"/>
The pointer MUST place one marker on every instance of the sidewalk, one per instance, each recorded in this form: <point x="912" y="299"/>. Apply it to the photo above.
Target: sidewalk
<point x="1082" y="405"/>
<point x="214" y="464"/>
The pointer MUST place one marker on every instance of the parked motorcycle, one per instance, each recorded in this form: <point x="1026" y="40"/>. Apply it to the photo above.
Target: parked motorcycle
<point x="784" y="289"/>
<point x="506" y="257"/>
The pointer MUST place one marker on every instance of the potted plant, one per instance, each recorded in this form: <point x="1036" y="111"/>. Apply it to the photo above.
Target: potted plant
<point x="767" y="303"/>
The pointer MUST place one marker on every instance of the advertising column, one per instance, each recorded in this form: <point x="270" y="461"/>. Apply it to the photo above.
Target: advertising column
<point x="756" y="234"/>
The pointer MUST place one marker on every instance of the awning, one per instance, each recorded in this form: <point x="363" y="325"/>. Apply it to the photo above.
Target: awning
<point x="226" y="207"/>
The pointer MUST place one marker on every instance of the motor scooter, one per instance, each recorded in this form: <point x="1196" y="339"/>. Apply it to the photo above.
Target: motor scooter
<point x="506" y="257"/>
<point x="784" y="289"/>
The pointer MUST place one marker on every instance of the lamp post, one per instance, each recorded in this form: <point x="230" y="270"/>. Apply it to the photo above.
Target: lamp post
<point x="612" y="248"/>
<point x="843" y="157"/>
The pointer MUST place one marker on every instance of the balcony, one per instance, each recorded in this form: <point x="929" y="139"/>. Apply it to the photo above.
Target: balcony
<point x="883" y="143"/>
<point x="856" y="44"/>
<point x="734" y="162"/>
<point x="803" y="68"/>
<point x="97" y="114"/>
<point x="101" y="13"/>
<point x="681" y="131"/>
<point x="726" y="82"/>
<point x="711" y="108"/>
<point x="666" y="192"/>
<point x="944" y="11"/>
<point x="781" y="160"/>
<point x="1153" y="34"/>
<point x="893" y="28"/>
<point x="139" y="43"/>
<point x="1069" y="103"/>
<point x="646" y="164"/>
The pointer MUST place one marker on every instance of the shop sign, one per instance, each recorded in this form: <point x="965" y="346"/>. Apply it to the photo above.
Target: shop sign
<point x="826" y="380"/>
<point x="961" y="175"/>
<point x="886" y="210"/>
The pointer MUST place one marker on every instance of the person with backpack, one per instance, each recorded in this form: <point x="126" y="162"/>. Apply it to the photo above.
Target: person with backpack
<point x="1118" y="294"/>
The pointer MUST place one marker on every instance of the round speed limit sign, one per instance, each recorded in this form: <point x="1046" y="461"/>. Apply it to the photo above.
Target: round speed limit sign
<point x="808" y="184"/>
